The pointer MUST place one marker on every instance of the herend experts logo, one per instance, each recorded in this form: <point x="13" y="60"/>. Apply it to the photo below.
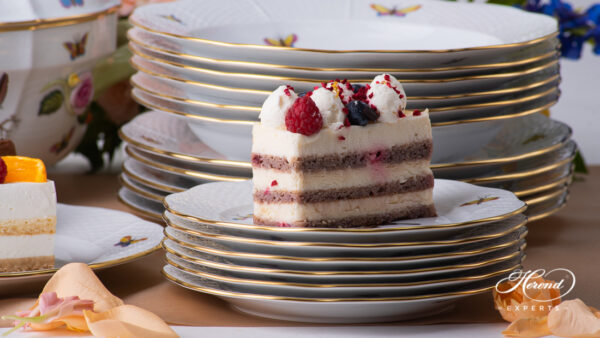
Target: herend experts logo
<point x="529" y="282"/>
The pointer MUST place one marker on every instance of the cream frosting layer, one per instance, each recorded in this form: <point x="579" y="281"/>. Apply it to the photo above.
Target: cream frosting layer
<point x="267" y="140"/>
<point x="26" y="200"/>
<point x="293" y="212"/>
<point x="26" y="246"/>
<point x="334" y="179"/>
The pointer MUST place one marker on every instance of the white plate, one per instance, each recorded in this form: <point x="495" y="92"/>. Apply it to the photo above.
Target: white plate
<point x="362" y="310"/>
<point x="226" y="202"/>
<point x="488" y="142"/>
<point x="234" y="30"/>
<point x="92" y="236"/>
<point x="222" y="233"/>
<point x="140" y="204"/>
<point x="420" y="263"/>
<point x="498" y="270"/>
<point x="191" y="93"/>
<point x="226" y="268"/>
<point x="548" y="206"/>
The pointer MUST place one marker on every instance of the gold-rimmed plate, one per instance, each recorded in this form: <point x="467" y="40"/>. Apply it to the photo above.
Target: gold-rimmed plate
<point x="153" y="46"/>
<point x="221" y="265"/>
<point x="457" y="203"/>
<point x="498" y="269"/>
<point x="98" y="237"/>
<point x="140" y="204"/>
<point x="486" y="32"/>
<point x="170" y="140"/>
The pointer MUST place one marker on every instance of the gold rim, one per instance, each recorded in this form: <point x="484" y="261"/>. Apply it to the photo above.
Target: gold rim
<point x="547" y="213"/>
<point x="238" y="268"/>
<point x="553" y="61"/>
<point x="140" y="191"/>
<point x="435" y="124"/>
<point x="563" y="181"/>
<point x="275" y="48"/>
<point x="233" y="294"/>
<point x="56" y="22"/>
<point x="141" y="211"/>
<point x="546" y="197"/>
<point x="326" y="69"/>
<point x="236" y="239"/>
<point x="432" y="110"/>
<point x="219" y="252"/>
<point x="192" y="173"/>
<point x="258" y="227"/>
<point x="149" y="183"/>
<point x="330" y="286"/>
<point x="521" y="174"/>
<point x="266" y="92"/>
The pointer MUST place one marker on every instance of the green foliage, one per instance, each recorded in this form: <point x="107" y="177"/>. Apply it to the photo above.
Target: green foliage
<point x="579" y="163"/>
<point x="507" y="2"/>
<point x="51" y="102"/>
<point x="101" y="137"/>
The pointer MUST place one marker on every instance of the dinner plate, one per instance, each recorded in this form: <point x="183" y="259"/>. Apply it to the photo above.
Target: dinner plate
<point x="168" y="66"/>
<point x="170" y="138"/>
<point x="229" y="269"/>
<point x="99" y="237"/>
<point x="186" y="92"/>
<point x="208" y="111"/>
<point x="359" y="310"/>
<point x="465" y="33"/>
<point x="141" y="205"/>
<point x="150" y="46"/>
<point x="420" y="263"/>
<point x="548" y="207"/>
<point x="499" y="270"/>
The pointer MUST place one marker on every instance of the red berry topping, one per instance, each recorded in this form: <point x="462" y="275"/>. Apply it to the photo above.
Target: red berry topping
<point x="361" y="94"/>
<point x="287" y="92"/>
<point x="341" y="138"/>
<point x="346" y="122"/>
<point x="416" y="112"/>
<point x="274" y="183"/>
<point x="401" y="114"/>
<point x="304" y="117"/>
<point x="3" y="170"/>
<point x="386" y="77"/>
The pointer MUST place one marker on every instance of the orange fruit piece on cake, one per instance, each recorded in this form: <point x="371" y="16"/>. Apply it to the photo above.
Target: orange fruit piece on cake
<point x="24" y="169"/>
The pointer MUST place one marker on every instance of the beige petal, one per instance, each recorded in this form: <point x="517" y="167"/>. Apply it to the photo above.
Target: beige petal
<point x="572" y="318"/>
<point x="127" y="321"/>
<point x="77" y="279"/>
<point x="527" y="327"/>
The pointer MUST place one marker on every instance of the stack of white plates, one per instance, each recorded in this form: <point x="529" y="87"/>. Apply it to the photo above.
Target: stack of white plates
<point x="397" y="271"/>
<point x="484" y="71"/>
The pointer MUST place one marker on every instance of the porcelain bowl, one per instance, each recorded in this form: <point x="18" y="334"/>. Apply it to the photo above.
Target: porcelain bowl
<point x="46" y="77"/>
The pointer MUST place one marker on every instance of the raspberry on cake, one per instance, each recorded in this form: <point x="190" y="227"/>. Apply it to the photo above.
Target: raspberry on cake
<point x="27" y="215"/>
<point x="341" y="157"/>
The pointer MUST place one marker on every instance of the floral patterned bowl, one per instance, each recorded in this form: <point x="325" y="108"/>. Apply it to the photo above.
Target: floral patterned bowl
<point x="46" y="71"/>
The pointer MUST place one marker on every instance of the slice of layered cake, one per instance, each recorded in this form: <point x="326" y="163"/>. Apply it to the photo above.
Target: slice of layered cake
<point x="341" y="156"/>
<point x="27" y="215"/>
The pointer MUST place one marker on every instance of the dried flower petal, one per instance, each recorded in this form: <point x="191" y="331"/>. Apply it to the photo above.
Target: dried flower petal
<point x="128" y="321"/>
<point x="77" y="279"/>
<point x="528" y="327"/>
<point x="573" y="318"/>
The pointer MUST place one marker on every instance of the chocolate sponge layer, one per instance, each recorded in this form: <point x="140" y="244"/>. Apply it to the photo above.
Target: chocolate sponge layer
<point x="413" y="184"/>
<point x="397" y="154"/>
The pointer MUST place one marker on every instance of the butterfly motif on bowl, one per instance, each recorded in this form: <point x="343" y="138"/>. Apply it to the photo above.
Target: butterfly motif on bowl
<point x="288" y="41"/>
<point x="241" y="217"/>
<point x="62" y="144"/>
<point x="383" y="11"/>
<point x="77" y="47"/>
<point x="126" y="241"/>
<point x="69" y="3"/>
<point x="480" y="200"/>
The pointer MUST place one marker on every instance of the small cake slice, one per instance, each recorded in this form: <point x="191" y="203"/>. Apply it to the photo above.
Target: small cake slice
<point x="341" y="156"/>
<point x="27" y="215"/>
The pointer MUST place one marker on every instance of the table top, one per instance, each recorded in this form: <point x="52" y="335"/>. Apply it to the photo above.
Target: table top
<point x="568" y="239"/>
